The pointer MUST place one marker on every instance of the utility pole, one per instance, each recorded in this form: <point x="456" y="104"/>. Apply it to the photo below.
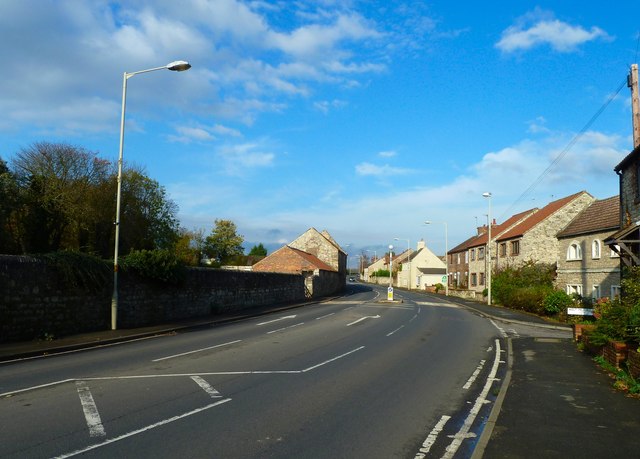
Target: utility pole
<point x="632" y="82"/>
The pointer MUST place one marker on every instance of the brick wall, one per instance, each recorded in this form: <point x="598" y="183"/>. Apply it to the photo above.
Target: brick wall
<point x="34" y="301"/>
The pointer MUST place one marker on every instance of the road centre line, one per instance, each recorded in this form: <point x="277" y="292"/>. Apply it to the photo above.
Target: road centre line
<point x="325" y="316"/>
<point x="333" y="359"/>
<point x="208" y="388"/>
<point x="142" y="430"/>
<point x="277" y="320"/>
<point x="91" y="414"/>
<point x="480" y="401"/>
<point x="197" y="350"/>
<point x="397" y="329"/>
<point x="363" y="318"/>
<point x="432" y="437"/>
<point x="284" y="328"/>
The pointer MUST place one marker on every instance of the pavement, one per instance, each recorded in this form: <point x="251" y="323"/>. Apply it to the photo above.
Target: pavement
<point x="555" y="401"/>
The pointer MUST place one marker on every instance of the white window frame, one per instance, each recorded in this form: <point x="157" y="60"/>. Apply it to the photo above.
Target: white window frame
<point x="595" y="292"/>
<point x="596" y="249"/>
<point x="574" y="251"/>
<point x="613" y="253"/>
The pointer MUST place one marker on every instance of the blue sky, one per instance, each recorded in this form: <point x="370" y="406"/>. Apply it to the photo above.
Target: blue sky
<point x="365" y="118"/>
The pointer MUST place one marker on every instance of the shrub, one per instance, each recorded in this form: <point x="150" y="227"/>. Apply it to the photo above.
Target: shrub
<point x="438" y="287"/>
<point x="161" y="265"/>
<point x="557" y="301"/>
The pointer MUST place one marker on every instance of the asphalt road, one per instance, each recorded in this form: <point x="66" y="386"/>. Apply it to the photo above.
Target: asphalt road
<point x="350" y="378"/>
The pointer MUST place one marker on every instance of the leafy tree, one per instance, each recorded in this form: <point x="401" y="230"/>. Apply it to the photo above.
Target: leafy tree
<point x="258" y="251"/>
<point x="147" y="216"/>
<point x="9" y="205"/>
<point x="55" y="181"/>
<point x="224" y="242"/>
<point x="190" y="246"/>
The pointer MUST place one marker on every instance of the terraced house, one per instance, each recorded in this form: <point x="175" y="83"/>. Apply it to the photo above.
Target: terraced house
<point x="586" y="266"/>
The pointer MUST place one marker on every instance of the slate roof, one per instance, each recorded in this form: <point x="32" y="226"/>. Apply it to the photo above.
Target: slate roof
<point x="538" y="217"/>
<point x="602" y="215"/>
<point x="497" y="230"/>
<point x="627" y="159"/>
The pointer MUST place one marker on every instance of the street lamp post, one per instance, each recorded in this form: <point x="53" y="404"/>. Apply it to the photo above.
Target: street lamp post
<point x="390" y="266"/>
<point x="446" y="254"/>
<point x="176" y="66"/>
<point x="488" y="195"/>
<point x="408" y="260"/>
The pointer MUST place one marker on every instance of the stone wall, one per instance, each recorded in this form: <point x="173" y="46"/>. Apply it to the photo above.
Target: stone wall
<point x="35" y="304"/>
<point x="630" y="193"/>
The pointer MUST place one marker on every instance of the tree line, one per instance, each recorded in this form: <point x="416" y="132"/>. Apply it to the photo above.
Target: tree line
<point x="60" y="197"/>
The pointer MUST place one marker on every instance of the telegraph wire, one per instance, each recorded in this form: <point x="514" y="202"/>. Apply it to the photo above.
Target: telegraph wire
<point x="565" y="150"/>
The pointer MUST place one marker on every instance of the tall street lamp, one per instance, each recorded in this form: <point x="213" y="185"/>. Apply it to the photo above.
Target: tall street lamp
<point x="390" y="266"/>
<point x="446" y="254"/>
<point x="176" y="66"/>
<point x="408" y="260"/>
<point x="488" y="195"/>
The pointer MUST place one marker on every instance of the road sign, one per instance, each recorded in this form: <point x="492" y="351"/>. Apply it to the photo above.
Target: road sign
<point x="444" y="278"/>
<point x="390" y="294"/>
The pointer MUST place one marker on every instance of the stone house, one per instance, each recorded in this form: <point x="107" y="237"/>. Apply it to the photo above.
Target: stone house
<point x="585" y="265"/>
<point x="315" y="255"/>
<point x="478" y="252"/>
<point x="422" y="269"/>
<point x="534" y="238"/>
<point x="626" y="241"/>
<point x="458" y="262"/>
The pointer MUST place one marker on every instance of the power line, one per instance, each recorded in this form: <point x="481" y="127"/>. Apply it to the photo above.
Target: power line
<point x="565" y="150"/>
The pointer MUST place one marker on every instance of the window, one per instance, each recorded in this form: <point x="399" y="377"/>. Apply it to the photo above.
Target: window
<point x="615" y="251"/>
<point x="473" y="254"/>
<point x="458" y="258"/>
<point x="574" y="252"/>
<point x="595" y="292"/>
<point x="574" y="288"/>
<point x="466" y="257"/>
<point x="481" y="278"/>
<point x="615" y="291"/>
<point x="595" y="249"/>
<point x="474" y="279"/>
<point x="480" y="253"/>
<point x="515" y="248"/>
<point x="503" y="249"/>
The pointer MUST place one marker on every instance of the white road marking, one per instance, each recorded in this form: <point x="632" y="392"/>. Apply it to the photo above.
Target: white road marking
<point x="432" y="437"/>
<point x="325" y="316"/>
<point x="481" y="400"/>
<point x="41" y="386"/>
<point x="142" y="430"/>
<point x="91" y="414"/>
<point x="475" y="374"/>
<point x="363" y="318"/>
<point x="208" y="388"/>
<point x="284" y="328"/>
<point x="502" y="332"/>
<point x="440" y="305"/>
<point x="397" y="329"/>
<point x="277" y="320"/>
<point x="332" y="360"/>
<point x="197" y="350"/>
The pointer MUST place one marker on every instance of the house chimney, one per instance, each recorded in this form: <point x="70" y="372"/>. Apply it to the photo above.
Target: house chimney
<point x="421" y="244"/>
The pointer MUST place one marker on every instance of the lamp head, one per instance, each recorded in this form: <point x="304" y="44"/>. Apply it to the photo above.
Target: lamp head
<point x="486" y="194"/>
<point x="178" y="66"/>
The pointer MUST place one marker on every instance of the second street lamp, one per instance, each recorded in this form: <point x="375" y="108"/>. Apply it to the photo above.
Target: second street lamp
<point x="488" y="276"/>
<point x="176" y="66"/>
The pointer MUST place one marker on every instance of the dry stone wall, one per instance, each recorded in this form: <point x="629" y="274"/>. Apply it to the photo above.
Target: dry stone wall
<point x="35" y="304"/>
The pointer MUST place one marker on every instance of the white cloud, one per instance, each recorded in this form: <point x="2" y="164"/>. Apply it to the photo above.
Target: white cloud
<point x="538" y="28"/>
<point x="380" y="171"/>
<point x="387" y="154"/>
<point x="241" y="158"/>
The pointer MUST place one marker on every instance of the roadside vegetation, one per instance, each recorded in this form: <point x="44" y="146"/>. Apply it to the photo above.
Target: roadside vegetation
<point x="57" y="202"/>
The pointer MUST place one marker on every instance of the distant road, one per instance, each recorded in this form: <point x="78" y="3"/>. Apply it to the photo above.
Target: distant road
<point x="350" y="378"/>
